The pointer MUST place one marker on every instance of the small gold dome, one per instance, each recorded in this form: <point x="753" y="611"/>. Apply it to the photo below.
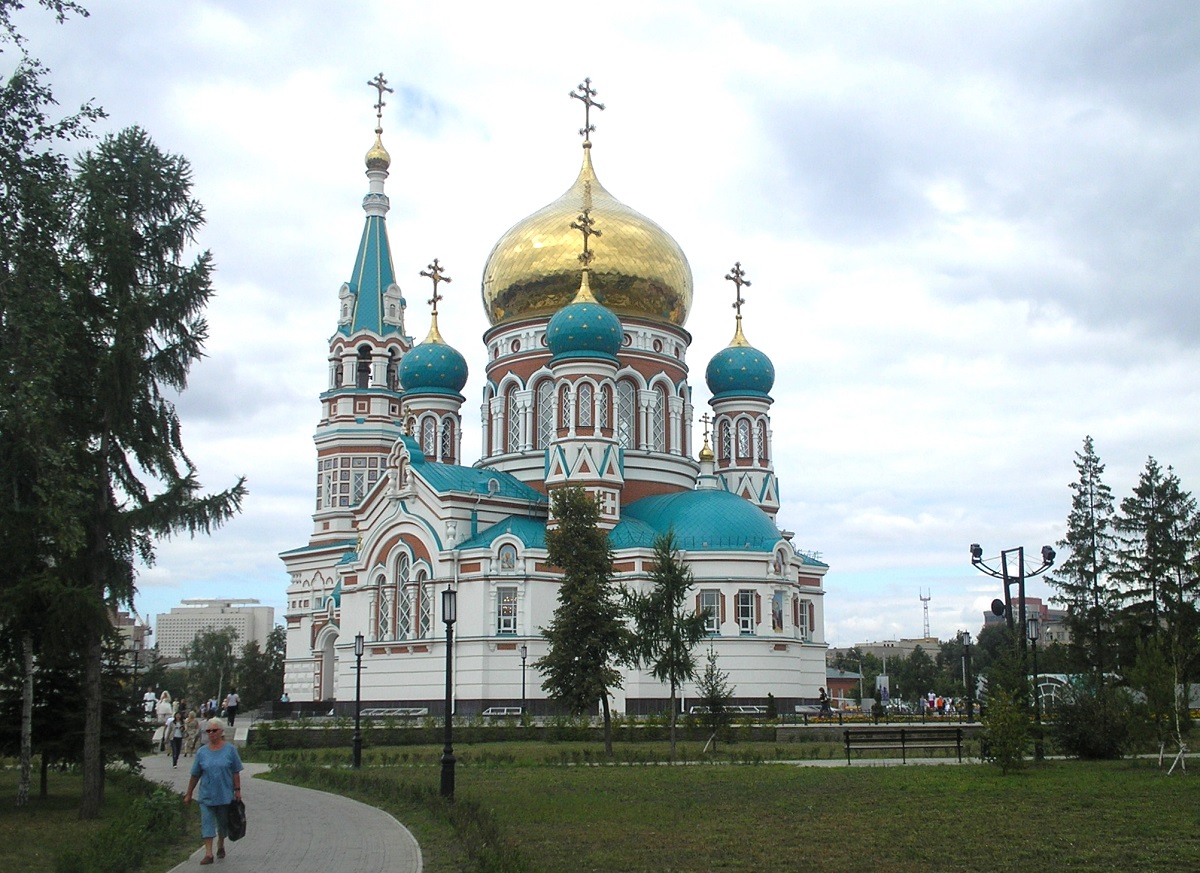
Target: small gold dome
<point x="639" y="269"/>
<point x="378" y="157"/>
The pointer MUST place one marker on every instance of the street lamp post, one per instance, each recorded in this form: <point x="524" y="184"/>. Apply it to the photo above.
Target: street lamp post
<point x="449" y="614"/>
<point x="1005" y="608"/>
<point x="358" y="653"/>
<point x="1033" y="631"/>
<point x="968" y="678"/>
<point x="524" y="655"/>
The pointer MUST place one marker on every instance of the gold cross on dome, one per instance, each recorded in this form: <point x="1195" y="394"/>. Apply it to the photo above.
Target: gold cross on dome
<point x="738" y="277"/>
<point x="380" y="84"/>
<point x="706" y="421"/>
<point x="584" y="93"/>
<point x="585" y="225"/>
<point x="434" y="271"/>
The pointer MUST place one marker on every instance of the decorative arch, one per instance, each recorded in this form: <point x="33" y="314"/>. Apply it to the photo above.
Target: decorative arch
<point x="544" y="412"/>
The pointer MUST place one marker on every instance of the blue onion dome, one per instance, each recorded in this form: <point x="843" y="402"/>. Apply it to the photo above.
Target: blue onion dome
<point x="433" y="367"/>
<point x="740" y="369"/>
<point x="714" y="520"/>
<point x="584" y="328"/>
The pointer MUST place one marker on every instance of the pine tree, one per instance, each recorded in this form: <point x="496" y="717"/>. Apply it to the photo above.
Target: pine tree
<point x="665" y="634"/>
<point x="714" y="693"/>
<point x="138" y="327"/>
<point x="586" y="633"/>
<point x="1083" y="579"/>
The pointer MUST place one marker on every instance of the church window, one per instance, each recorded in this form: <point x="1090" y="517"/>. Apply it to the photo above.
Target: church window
<point x="429" y="437"/>
<point x="514" y="422"/>
<point x="585" y="405"/>
<point x="506" y="610"/>
<point x="726" y="441"/>
<point x="743" y="438"/>
<point x="762" y="442"/>
<point x="780" y="564"/>
<point x="564" y="406"/>
<point x="359" y="488"/>
<point x="710" y="605"/>
<point x="545" y="413"/>
<point x="745" y="612"/>
<point x="516" y="346"/>
<point x="337" y="374"/>
<point x="658" y="421"/>
<point x="393" y="372"/>
<point x="447" y="441"/>
<point x="383" y="622"/>
<point x="605" y="400"/>
<point x="508" y="558"/>
<point x="426" y="606"/>
<point x="404" y="613"/>
<point x="363" y="370"/>
<point x="803" y="626"/>
<point x="626" y="409"/>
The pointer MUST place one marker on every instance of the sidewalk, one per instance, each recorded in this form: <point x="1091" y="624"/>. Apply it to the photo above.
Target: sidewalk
<point x="293" y="829"/>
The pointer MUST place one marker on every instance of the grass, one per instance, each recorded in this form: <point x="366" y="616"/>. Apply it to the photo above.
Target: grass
<point x="38" y="836"/>
<point x="543" y="817"/>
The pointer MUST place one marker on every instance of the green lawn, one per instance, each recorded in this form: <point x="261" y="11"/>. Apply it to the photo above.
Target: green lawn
<point x="571" y="816"/>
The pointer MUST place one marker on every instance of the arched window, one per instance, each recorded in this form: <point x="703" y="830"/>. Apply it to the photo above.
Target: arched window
<point x="337" y="373"/>
<point x="393" y="371"/>
<point x="426" y="608"/>
<point x="605" y="402"/>
<point x="564" y="407"/>
<point x="363" y="377"/>
<point x="429" y="437"/>
<point x="762" y="442"/>
<point x="726" y="441"/>
<point x="658" y="420"/>
<point x="447" y="448"/>
<point x="383" y="621"/>
<point x="514" y="422"/>
<point x="743" y="438"/>
<point x="545" y="413"/>
<point x="586" y="405"/>
<point x="626" y="412"/>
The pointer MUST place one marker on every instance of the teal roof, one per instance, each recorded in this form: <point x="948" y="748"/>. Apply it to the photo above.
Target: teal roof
<point x="530" y="531"/>
<point x="740" y="370"/>
<point x="433" y="368"/>
<point x="373" y="274"/>
<point x="707" y="520"/>
<point x="584" y="329"/>
<point x="632" y="534"/>
<point x="444" y="478"/>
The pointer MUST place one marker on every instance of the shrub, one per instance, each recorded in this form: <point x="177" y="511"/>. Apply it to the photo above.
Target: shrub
<point x="1006" y="728"/>
<point x="1093" y="723"/>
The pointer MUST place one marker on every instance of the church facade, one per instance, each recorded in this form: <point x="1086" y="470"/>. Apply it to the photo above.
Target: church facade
<point x="586" y="385"/>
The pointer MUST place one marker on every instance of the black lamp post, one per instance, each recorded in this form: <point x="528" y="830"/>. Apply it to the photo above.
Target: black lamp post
<point x="968" y="677"/>
<point x="136" y="644"/>
<point x="1005" y="573"/>
<point x="358" y="653"/>
<point x="449" y="614"/>
<point x="524" y="655"/>
<point x="1033" y="631"/>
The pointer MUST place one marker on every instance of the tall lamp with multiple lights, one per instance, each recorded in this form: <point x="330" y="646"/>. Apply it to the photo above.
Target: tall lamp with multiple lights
<point x="358" y="653"/>
<point x="449" y="615"/>
<point x="1004" y="572"/>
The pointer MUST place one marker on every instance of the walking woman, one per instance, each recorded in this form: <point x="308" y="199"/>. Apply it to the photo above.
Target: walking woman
<point x="217" y="768"/>
<point x="191" y="734"/>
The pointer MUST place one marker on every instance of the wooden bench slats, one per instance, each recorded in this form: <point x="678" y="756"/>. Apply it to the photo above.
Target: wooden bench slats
<point x="903" y="739"/>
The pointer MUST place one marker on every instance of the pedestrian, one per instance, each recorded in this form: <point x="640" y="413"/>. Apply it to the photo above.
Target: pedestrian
<point x="163" y="710"/>
<point x="191" y="733"/>
<point x="231" y="705"/>
<point x="825" y="710"/>
<point x="217" y="769"/>
<point x="148" y="702"/>
<point x="174" y="730"/>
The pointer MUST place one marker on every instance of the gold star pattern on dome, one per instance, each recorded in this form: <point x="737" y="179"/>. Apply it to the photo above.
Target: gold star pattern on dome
<point x="436" y="273"/>
<point x="584" y="93"/>
<point x="738" y="277"/>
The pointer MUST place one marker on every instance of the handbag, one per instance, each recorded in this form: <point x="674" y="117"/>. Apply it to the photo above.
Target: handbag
<point x="237" y="820"/>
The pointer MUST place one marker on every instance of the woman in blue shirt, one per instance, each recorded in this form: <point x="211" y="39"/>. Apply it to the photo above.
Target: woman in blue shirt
<point x="217" y="768"/>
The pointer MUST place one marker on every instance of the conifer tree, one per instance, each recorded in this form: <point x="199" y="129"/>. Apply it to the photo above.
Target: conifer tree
<point x="586" y="633"/>
<point x="714" y="693"/>
<point x="1083" y="579"/>
<point x="664" y="633"/>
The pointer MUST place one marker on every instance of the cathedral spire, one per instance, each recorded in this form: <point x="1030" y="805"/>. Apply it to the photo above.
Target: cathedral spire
<point x="738" y="277"/>
<point x="436" y="273"/>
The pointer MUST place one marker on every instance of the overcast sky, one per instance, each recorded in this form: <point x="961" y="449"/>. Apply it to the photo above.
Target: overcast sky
<point x="972" y="232"/>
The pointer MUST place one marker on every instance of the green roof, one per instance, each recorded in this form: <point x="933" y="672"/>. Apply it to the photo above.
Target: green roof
<point x="530" y="531"/>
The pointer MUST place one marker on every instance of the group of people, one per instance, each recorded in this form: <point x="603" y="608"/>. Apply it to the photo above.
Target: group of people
<point x="936" y="704"/>
<point x="183" y="729"/>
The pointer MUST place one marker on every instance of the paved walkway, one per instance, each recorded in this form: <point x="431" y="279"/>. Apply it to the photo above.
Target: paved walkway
<point x="295" y="830"/>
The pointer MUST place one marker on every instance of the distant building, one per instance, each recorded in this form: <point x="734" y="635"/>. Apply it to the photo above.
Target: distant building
<point x="891" y="648"/>
<point x="176" y="629"/>
<point x="1053" y="621"/>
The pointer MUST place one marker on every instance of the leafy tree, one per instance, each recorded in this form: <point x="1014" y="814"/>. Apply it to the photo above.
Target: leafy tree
<point x="138" y="328"/>
<point x="665" y="634"/>
<point x="212" y="662"/>
<point x="714" y="693"/>
<point x="586" y="633"/>
<point x="1083" y="579"/>
<point x="864" y="663"/>
<point x="915" y="674"/>
<point x="1006" y="727"/>
<point x="260" y="672"/>
<point x="1092" y="721"/>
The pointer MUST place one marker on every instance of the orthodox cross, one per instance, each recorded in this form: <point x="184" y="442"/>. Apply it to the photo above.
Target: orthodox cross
<point x="706" y="421"/>
<point x="584" y="93"/>
<point x="738" y="277"/>
<point x="434" y="272"/>
<point x="585" y="226"/>
<point x="380" y="84"/>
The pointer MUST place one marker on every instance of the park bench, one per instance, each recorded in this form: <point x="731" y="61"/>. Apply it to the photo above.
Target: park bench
<point x="394" y="712"/>
<point x="501" y="711"/>
<point x="904" y="739"/>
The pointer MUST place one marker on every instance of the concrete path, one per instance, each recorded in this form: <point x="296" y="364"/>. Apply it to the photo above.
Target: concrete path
<point x="295" y="830"/>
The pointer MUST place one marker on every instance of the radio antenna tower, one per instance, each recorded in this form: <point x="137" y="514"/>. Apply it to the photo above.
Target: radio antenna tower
<point x="925" y="598"/>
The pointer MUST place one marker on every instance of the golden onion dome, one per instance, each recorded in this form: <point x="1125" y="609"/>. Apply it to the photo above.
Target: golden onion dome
<point x="639" y="269"/>
<point x="378" y="157"/>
